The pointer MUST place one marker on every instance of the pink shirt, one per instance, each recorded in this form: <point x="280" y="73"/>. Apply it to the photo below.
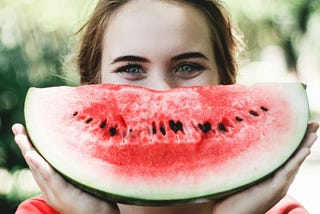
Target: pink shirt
<point x="37" y="205"/>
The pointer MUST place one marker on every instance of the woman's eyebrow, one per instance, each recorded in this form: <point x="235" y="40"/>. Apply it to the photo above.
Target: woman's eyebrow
<point x="189" y="55"/>
<point x="130" y="58"/>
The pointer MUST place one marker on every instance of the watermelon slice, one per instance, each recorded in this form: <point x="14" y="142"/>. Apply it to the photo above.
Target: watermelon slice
<point x="140" y="146"/>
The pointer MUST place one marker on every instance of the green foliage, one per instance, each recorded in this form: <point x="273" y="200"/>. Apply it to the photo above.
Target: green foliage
<point x="276" y="22"/>
<point x="31" y="54"/>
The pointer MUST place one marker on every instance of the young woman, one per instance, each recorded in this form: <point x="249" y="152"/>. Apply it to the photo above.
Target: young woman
<point x="159" y="45"/>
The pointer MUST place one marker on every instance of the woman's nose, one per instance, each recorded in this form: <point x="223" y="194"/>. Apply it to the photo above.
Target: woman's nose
<point x="160" y="81"/>
<point x="160" y="85"/>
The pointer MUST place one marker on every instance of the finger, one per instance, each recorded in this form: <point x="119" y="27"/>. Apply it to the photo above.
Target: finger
<point x="37" y="173"/>
<point x="56" y="191"/>
<point x="41" y="168"/>
<point x="288" y="172"/>
<point x="18" y="129"/>
<point x="313" y="126"/>
<point x="45" y="171"/>
<point x="310" y="136"/>
<point x="48" y="179"/>
<point x="23" y="143"/>
<point x="28" y="153"/>
<point x="21" y="138"/>
<point x="309" y="140"/>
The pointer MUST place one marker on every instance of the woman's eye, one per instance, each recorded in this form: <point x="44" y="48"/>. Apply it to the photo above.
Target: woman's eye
<point x="132" y="71"/>
<point x="189" y="69"/>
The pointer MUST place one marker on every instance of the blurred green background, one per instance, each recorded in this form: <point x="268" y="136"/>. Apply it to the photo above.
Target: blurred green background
<point x="282" y="40"/>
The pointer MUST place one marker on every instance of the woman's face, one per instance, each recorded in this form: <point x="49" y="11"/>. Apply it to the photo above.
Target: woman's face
<point x="158" y="45"/>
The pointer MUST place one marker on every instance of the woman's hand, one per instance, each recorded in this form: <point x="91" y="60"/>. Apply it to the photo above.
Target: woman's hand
<point x="60" y="195"/>
<point x="263" y="196"/>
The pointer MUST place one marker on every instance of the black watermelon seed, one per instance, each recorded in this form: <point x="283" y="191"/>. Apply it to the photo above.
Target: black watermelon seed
<point x="239" y="119"/>
<point x="89" y="120"/>
<point x="112" y="131"/>
<point x="154" y="128"/>
<point x="103" y="124"/>
<point x="175" y="126"/>
<point x="222" y="127"/>
<point x="264" y="108"/>
<point x="162" y="129"/>
<point x="75" y="113"/>
<point x="206" y="127"/>
<point x="254" y="113"/>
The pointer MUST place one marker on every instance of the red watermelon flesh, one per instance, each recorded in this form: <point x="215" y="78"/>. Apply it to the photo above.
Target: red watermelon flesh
<point x="141" y="146"/>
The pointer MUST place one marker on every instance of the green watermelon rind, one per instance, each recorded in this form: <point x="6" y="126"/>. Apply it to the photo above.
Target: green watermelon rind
<point x="159" y="202"/>
<point x="114" y="198"/>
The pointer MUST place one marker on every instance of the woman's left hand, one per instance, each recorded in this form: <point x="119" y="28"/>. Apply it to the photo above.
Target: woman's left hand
<point x="263" y="196"/>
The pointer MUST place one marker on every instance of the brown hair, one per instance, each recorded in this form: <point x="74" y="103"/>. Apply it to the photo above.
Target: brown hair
<point x="223" y="38"/>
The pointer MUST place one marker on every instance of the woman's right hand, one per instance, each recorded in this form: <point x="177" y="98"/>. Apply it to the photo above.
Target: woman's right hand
<point x="59" y="194"/>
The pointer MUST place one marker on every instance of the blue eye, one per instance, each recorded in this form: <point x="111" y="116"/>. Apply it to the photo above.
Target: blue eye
<point x="189" y="69"/>
<point x="186" y="68"/>
<point x="132" y="72"/>
<point x="131" y="69"/>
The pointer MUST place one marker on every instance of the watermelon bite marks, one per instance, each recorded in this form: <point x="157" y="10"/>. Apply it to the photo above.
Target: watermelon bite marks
<point x="140" y="146"/>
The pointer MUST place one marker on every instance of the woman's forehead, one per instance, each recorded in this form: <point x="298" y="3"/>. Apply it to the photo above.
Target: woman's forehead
<point x="157" y="13"/>
<point x="159" y="24"/>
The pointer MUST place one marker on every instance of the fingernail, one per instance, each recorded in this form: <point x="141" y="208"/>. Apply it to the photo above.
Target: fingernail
<point x="18" y="138"/>
<point x="15" y="128"/>
<point x="315" y="126"/>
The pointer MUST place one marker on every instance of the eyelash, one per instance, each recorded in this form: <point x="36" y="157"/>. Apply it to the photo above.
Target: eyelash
<point x="125" y="70"/>
<point x="194" y="66"/>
